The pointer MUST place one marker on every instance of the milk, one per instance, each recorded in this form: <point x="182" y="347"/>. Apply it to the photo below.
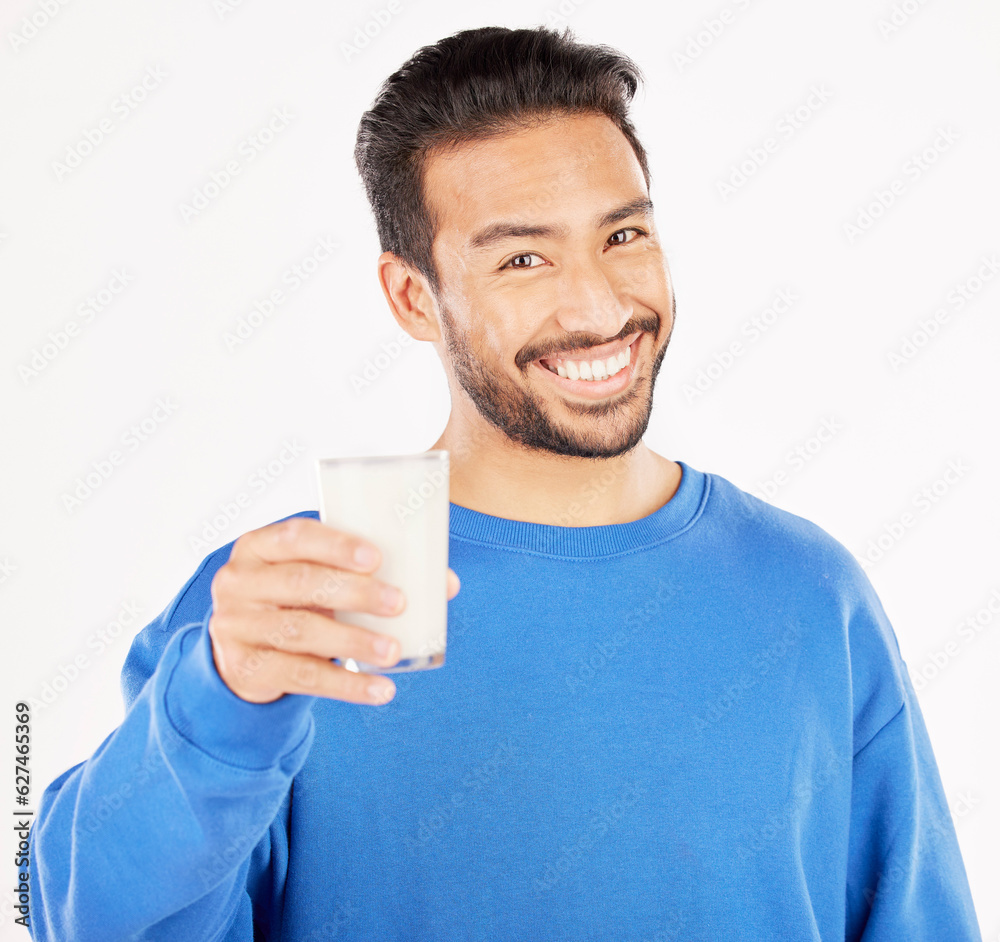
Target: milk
<point x="400" y="504"/>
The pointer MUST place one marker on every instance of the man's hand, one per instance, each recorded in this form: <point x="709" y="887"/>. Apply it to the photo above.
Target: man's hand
<point x="272" y="625"/>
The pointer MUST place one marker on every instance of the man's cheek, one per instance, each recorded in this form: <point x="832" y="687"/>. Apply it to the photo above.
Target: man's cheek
<point x="649" y="277"/>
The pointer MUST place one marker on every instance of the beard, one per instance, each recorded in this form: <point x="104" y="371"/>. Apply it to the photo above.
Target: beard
<point x="602" y="428"/>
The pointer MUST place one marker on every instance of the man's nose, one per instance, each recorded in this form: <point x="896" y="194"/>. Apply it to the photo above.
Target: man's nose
<point x="590" y="302"/>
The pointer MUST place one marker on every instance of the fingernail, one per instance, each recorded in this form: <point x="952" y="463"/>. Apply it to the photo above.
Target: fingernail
<point x="379" y="691"/>
<point x="365" y="556"/>
<point x="392" y="598"/>
<point x="383" y="645"/>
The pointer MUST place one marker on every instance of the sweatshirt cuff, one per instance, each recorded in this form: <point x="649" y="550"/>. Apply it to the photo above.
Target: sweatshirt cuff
<point x="204" y="711"/>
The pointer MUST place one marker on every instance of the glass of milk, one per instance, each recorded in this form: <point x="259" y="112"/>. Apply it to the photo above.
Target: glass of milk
<point x="400" y="504"/>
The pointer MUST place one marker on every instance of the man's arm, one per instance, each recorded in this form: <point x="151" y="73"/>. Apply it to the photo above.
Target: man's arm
<point x="160" y="831"/>
<point x="905" y="878"/>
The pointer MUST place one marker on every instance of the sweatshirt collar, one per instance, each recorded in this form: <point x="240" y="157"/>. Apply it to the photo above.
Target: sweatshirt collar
<point x="670" y="520"/>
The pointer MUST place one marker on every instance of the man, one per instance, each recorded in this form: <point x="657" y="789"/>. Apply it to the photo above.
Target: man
<point x="668" y="710"/>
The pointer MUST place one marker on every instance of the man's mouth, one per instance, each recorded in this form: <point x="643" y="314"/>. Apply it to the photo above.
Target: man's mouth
<point x="599" y="363"/>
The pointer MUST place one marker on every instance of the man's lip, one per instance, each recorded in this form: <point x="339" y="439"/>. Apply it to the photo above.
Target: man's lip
<point x="596" y="389"/>
<point x="596" y="353"/>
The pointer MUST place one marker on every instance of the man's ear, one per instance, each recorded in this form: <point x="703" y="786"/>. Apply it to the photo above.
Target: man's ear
<point x="409" y="298"/>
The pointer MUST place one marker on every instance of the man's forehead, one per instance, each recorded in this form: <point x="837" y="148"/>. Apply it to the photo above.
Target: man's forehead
<point x="521" y="176"/>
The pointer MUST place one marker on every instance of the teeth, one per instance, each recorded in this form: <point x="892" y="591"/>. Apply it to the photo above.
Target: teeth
<point x="591" y="370"/>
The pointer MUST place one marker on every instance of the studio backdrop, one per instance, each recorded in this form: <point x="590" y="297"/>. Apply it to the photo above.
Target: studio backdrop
<point x="191" y="313"/>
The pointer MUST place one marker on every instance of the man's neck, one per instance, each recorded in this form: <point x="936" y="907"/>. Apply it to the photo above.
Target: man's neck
<point x="539" y="487"/>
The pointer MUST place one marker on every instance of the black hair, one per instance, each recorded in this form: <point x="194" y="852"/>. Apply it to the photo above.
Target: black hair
<point x="469" y="86"/>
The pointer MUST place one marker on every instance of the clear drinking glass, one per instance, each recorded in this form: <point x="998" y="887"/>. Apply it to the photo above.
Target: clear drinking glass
<point x="400" y="504"/>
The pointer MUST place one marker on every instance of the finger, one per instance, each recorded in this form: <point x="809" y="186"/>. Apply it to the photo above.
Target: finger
<point x="301" y="631"/>
<point x="263" y="672"/>
<point x="302" y="538"/>
<point x="453" y="584"/>
<point x="301" y="584"/>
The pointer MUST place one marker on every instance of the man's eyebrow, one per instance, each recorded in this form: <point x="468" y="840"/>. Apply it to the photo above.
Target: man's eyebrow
<point x="498" y="231"/>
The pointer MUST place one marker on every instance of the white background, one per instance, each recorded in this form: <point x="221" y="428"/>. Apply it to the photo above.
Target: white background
<point x="64" y="233"/>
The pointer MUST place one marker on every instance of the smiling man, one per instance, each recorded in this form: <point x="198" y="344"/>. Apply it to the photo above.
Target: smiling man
<point x="669" y="710"/>
<point x="554" y="297"/>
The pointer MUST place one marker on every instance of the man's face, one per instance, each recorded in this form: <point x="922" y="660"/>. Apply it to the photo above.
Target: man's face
<point x="512" y="298"/>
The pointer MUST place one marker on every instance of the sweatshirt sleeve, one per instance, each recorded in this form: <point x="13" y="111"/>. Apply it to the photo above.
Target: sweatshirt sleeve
<point x="905" y="877"/>
<point x="181" y="813"/>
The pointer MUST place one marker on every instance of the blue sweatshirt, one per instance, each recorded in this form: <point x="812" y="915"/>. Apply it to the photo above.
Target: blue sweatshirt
<point x="693" y="726"/>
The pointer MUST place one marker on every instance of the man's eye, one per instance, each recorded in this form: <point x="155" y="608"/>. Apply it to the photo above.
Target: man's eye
<point x="510" y="262"/>
<point x="634" y="229"/>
